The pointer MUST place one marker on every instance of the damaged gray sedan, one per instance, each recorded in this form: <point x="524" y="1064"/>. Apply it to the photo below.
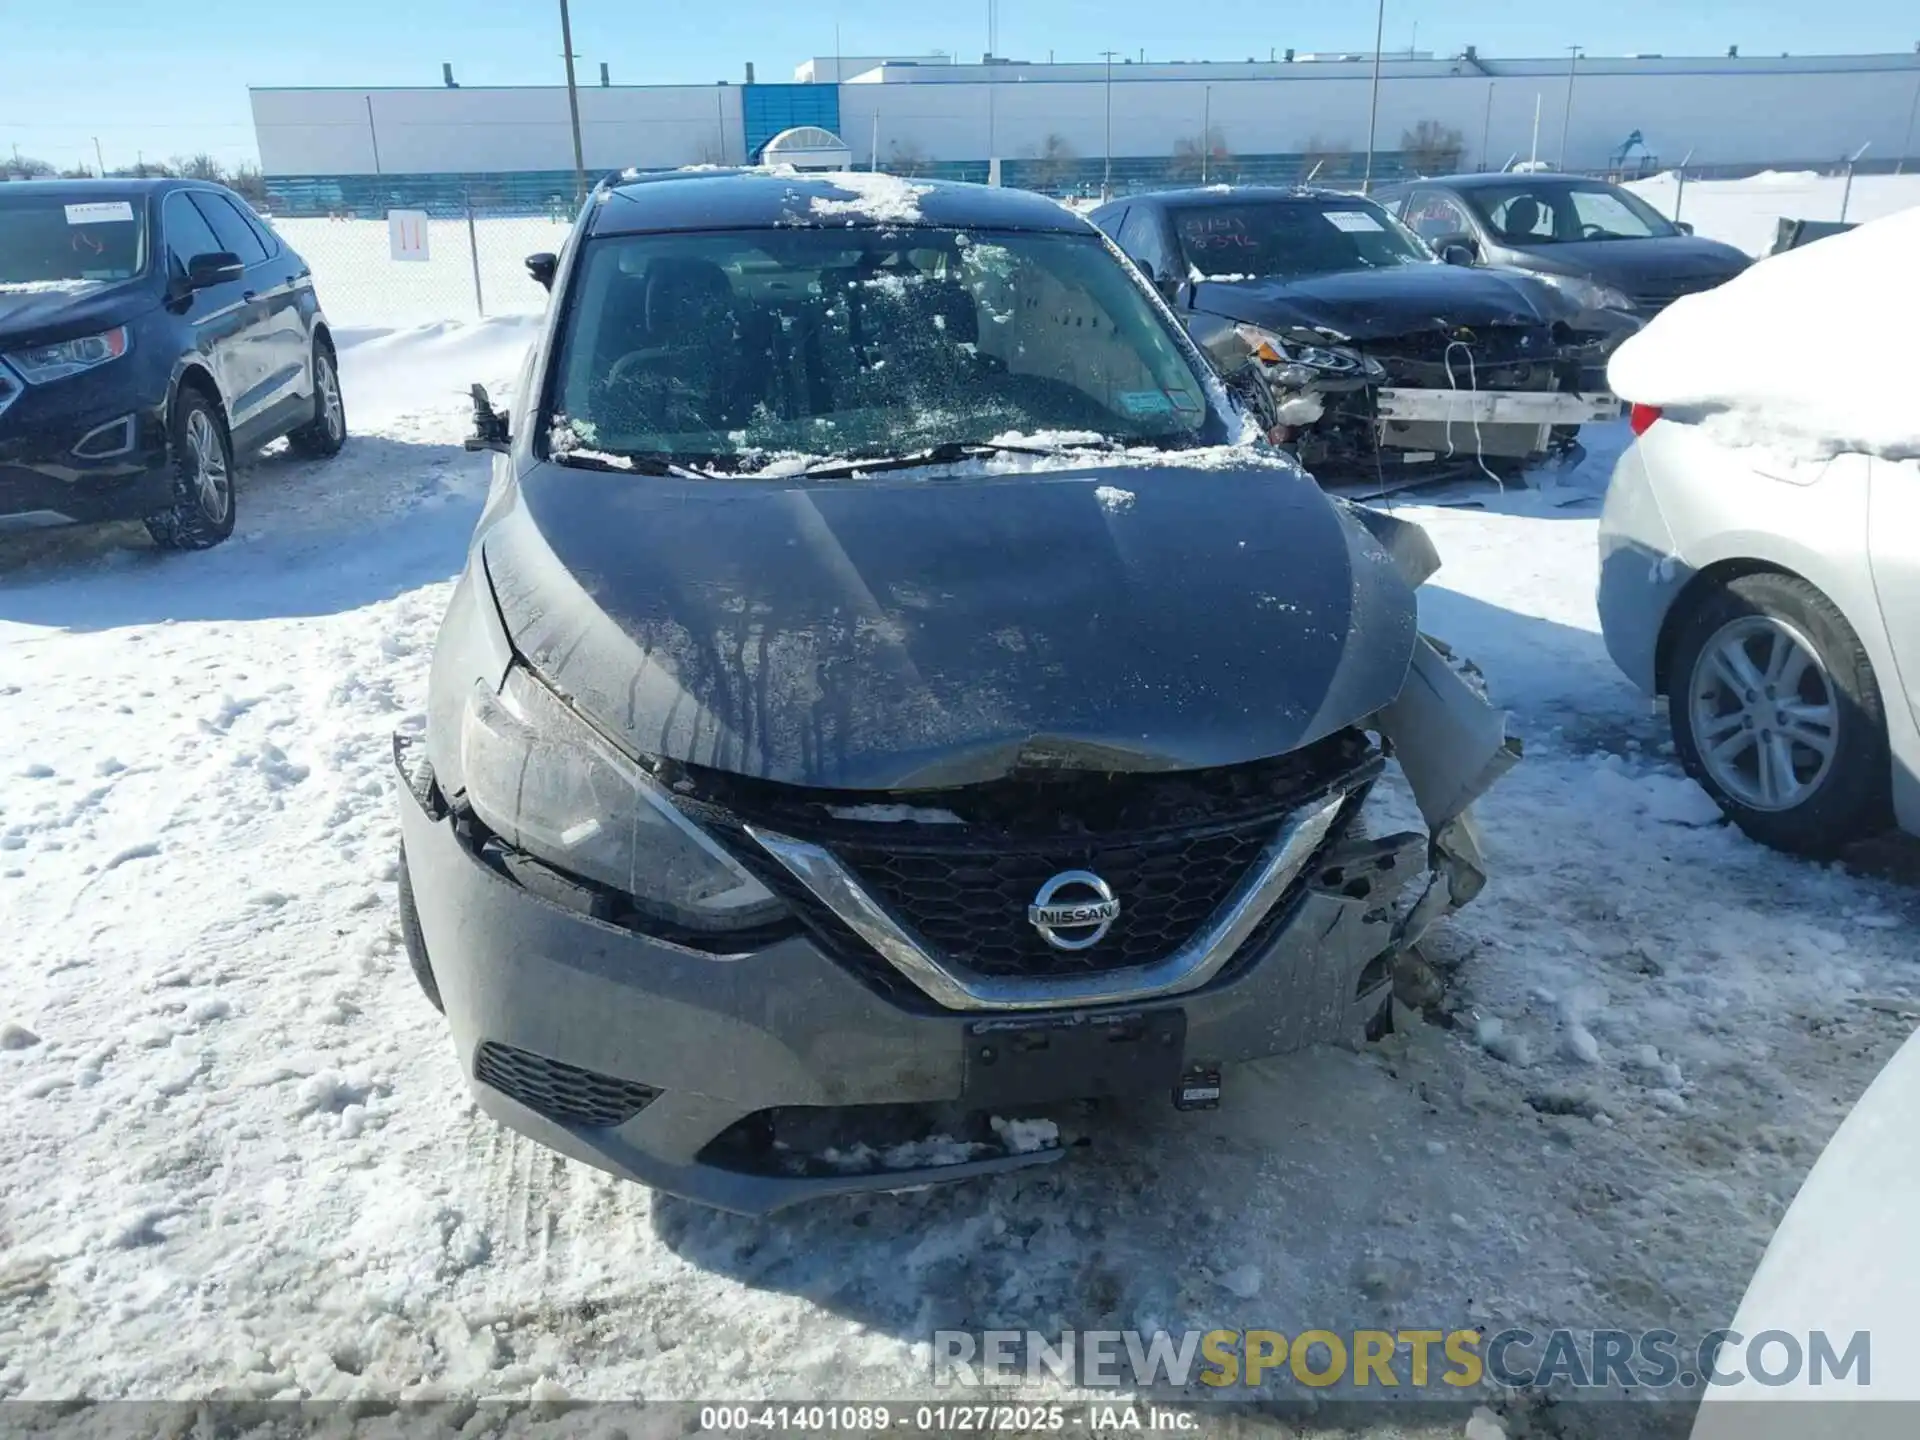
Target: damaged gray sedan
<point x="889" y="694"/>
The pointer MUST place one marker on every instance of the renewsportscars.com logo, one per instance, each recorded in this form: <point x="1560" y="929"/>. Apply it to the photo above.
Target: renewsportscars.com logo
<point x="1448" y="1360"/>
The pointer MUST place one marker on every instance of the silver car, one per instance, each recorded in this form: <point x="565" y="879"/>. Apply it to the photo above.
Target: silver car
<point x="1775" y="603"/>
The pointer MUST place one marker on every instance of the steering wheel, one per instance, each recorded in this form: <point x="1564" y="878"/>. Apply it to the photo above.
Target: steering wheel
<point x="622" y="370"/>
<point x="1593" y="232"/>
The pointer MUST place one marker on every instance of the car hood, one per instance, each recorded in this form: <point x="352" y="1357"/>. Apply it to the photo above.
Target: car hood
<point x="1629" y="263"/>
<point x="1379" y="304"/>
<point x="36" y="314"/>
<point x="906" y="633"/>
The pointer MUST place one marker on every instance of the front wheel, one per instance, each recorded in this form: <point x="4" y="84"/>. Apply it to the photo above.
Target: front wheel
<point x="1776" y="713"/>
<point x="327" y="431"/>
<point x="201" y="515"/>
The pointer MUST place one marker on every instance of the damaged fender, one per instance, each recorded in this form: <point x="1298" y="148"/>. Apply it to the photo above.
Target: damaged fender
<point x="1452" y="746"/>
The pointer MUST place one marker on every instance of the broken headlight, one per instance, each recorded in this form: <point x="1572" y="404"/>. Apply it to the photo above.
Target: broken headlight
<point x="543" y="780"/>
<point x="1300" y="365"/>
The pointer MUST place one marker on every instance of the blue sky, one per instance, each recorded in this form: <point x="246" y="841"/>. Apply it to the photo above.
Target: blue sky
<point x="172" y="79"/>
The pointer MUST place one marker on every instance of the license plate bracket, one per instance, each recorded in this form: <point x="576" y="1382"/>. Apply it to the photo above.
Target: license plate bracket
<point x="1073" y="1057"/>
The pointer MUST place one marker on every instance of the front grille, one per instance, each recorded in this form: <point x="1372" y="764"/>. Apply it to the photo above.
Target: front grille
<point x="561" y="1092"/>
<point x="1172" y="847"/>
<point x="972" y="905"/>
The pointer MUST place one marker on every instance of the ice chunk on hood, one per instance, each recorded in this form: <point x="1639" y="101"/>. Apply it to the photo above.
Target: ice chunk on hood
<point x="1812" y="353"/>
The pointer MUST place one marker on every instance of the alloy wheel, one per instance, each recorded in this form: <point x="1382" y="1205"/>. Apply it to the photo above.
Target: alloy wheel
<point x="1764" y="712"/>
<point x="211" y="474"/>
<point x="332" y="412"/>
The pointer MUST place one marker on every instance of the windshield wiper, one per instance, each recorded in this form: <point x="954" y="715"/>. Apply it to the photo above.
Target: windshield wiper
<point x="948" y="452"/>
<point x="625" y="464"/>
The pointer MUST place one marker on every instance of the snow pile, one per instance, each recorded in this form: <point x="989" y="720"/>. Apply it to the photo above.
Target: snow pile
<point x="1746" y="213"/>
<point x="883" y="199"/>
<point x="1812" y="353"/>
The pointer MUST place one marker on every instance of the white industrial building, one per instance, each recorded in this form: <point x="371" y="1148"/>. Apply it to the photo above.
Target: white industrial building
<point x="1074" y="127"/>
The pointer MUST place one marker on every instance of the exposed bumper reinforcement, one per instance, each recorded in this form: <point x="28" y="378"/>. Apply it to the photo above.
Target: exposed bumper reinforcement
<point x="1497" y="407"/>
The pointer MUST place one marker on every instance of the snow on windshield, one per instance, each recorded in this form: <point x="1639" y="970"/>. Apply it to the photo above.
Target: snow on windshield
<point x="1812" y="353"/>
<point x="886" y="199"/>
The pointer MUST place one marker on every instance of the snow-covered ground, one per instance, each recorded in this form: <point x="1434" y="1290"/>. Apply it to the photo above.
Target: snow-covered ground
<point x="1747" y="213"/>
<point x="238" y="1157"/>
<point x="360" y="283"/>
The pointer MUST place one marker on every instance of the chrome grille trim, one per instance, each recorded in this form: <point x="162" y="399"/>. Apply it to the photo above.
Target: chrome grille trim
<point x="952" y="985"/>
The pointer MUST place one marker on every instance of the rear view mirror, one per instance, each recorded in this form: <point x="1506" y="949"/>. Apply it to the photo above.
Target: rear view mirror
<point x="1457" y="249"/>
<point x="215" y="267"/>
<point x="1685" y="227"/>
<point x="542" y="266"/>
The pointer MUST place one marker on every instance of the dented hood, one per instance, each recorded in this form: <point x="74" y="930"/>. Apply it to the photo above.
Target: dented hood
<point x="908" y="632"/>
<point x="1362" y="305"/>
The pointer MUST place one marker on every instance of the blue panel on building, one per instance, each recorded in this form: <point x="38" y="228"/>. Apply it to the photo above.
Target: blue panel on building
<point x="766" y="110"/>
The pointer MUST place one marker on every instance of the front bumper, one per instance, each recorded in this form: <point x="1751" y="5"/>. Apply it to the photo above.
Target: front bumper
<point x="86" y="448"/>
<point x="711" y="1043"/>
<point x="1497" y="407"/>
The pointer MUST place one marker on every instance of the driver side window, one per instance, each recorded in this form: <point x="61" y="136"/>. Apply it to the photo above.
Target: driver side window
<point x="188" y="233"/>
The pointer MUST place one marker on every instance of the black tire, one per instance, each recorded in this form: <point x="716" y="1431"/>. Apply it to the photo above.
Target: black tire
<point x="416" y="942"/>
<point x="201" y="515"/>
<point x="323" y="435"/>
<point x="1853" y="798"/>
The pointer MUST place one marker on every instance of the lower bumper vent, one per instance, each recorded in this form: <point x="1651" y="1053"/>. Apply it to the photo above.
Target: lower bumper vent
<point x="561" y="1092"/>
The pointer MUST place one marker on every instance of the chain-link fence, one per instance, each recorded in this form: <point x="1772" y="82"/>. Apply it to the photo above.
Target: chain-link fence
<point x="417" y="266"/>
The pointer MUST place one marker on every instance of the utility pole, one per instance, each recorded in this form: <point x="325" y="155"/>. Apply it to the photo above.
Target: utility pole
<point x="1906" y="146"/>
<point x="1206" y="132"/>
<point x="103" y="159"/>
<point x="573" y="107"/>
<point x="1486" y="130"/>
<point x="1373" y="102"/>
<point x="1566" y="125"/>
<point x="1106" y="179"/>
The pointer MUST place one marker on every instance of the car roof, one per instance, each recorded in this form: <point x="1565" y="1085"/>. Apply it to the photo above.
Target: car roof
<point x="1199" y="196"/>
<point x="749" y="199"/>
<point x="112" y="188"/>
<point x="1506" y="177"/>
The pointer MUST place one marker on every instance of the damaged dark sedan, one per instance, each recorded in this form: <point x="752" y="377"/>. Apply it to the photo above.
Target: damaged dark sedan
<point x="1382" y="363"/>
<point x="893" y="690"/>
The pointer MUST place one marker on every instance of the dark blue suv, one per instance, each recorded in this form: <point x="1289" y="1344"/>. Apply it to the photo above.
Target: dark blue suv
<point x="151" y="331"/>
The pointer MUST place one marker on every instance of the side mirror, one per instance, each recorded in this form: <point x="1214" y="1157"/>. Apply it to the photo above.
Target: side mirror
<point x="542" y="266"/>
<point x="1685" y="227"/>
<point x="1457" y="249"/>
<point x="216" y="267"/>
<point x="489" y="424"/>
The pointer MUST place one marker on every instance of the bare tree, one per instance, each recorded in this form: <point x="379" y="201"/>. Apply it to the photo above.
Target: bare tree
<point x="1432" y="148"/>
<point x="249" y="182"/>
<point x="1200" y="157"/>
<point x="23" y="167"/>
<point x="1056" y="164"/>
<point x="905" y="157"/>
<point x="199" y="167"/>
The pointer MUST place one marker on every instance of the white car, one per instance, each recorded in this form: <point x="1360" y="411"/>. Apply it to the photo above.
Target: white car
<point x="1775" y="603"/>
<point x="1838" y="1278"/>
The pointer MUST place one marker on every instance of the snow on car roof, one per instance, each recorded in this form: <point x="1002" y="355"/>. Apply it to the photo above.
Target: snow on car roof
<point x="752" y="198"/>
<point x="1811" y="353"/>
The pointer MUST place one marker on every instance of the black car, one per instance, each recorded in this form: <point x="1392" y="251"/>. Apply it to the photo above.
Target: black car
<point x="1378" y="357"/>
<point x="151" y="333"/>
<point x="1603" y="246"/>
<point x="890" y="690"/>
